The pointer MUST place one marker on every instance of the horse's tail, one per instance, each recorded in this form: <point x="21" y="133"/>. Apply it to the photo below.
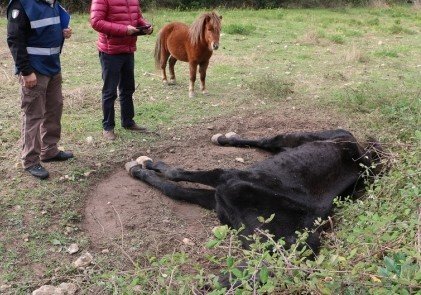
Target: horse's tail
<point x="376" y="157"/>
<point x="157" y="53"/>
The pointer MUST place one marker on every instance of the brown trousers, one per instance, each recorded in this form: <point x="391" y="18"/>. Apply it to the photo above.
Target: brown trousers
<point x="42" y="107"/>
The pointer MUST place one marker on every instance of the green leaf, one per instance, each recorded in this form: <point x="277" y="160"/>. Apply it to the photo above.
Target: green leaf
<point x="230" y="261"/>
<point x="261" y="219"/>
<point x="56" y="242"/>
<point x="212" y="243"/>
<point x="237" y="273"/>
<point x="264" y="274"/>
<point x="270" y="218"/>
<point x="320" y="259"/>
<point x="220" y="232"/>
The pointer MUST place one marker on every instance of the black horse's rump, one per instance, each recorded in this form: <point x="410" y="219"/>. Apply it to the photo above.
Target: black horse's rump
<point x="297" y="184"/>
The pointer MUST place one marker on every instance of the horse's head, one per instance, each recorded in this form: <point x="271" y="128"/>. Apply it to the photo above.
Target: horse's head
<point x="207" y="29"/>
<point x="212" y="30"/>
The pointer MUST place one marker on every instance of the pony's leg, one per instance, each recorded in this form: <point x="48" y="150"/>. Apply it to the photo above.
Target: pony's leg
<point x="280" y="142"/>
<point x="193" y="70"/>
<point x="202" y="197"/>
<point x="171" y="63"/>
<point x="202" y="70"/>
<point x="164" y="57"/>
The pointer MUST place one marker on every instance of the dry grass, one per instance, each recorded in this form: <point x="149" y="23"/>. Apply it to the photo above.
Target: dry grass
<point x="378" y="4"/>
<point x="310" y="38"/>
<point x="356" y="55"/>
<point x="417" y="4"/>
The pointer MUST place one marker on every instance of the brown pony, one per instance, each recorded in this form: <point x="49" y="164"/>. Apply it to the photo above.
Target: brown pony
<point x="194" y="44"/>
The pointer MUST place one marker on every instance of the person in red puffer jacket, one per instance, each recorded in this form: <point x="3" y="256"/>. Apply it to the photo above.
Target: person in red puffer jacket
<point x="118" y="23"/>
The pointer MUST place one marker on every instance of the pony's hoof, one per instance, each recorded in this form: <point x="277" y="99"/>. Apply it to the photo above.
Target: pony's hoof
<point x="205" y="92"/>
<point x="214" y="138"/>
<point x="130" y="165"/>
<point x="191" y="94"/>
<point x="164" y="82"/>
<point x="172" y="82"/>
<point x="232" y="135"/>
<point x="142" y="161"/>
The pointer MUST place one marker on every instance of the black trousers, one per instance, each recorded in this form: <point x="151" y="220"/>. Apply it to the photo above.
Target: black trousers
<point x="117" y="73"/>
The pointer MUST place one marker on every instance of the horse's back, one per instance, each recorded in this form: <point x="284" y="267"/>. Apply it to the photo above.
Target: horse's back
<point x="175" y="28"/>
<point x="175" y="38"/>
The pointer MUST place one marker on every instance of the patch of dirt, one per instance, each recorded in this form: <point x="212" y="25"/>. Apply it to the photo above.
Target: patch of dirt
<point x="122" y="209"/>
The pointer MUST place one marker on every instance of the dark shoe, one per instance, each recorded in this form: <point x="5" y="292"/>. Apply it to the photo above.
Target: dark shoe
<point x="136" y="127"/>
<point x="109" y="134"/>
<point x="61" y="156"/>
<point x="38" y="171"/>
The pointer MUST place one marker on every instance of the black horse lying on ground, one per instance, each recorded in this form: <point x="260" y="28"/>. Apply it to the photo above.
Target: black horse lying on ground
<point x="298" y="183"/>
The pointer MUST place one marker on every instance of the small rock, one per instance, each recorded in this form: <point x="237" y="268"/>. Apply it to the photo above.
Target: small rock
<point x="89" y="139"/>
<point x="68" y="288"/>
<point x="4" y="288"/>
<point x="210" y="127"/>
<point x="48" y="290"/>
<point x="137" y="289"/>
<point x="68" y="230"/>
<point x="84" y="260"/>
<point x="73" y="248"/>
<point x="380" y="43"/>
<point x="289" y="98"/>
<point x="87" y="173"/>
<point x="241" y="160"/>
<point x="105" y="251"/>
<point x="188" y="242"/>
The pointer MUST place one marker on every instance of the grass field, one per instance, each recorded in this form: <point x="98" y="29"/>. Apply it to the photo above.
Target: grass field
<point x="362" y="64"/>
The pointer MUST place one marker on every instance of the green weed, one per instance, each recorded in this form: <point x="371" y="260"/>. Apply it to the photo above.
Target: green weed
<point x="238" y="29"/>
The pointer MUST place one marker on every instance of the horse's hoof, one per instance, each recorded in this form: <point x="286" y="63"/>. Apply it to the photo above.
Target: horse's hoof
<point x="142" y="161"/>
<point x="214" y="138"/>
<point x="205" y="92"/>
<point x="191" y="94"/>
<point x="164" y="82"/>
<point x="171" y="82"/>
<point x="232" y="135"/>
<point x="130" y="165"/>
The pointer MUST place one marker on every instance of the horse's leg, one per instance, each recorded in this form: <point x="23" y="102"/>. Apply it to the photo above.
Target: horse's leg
<point x="193" y="70"/>
<point x="171" y="63"/>
<point x="210" y="177"/>
<point x="278" y="143"/>
<point x="202" y="70"/>
<point x="201" y="197"/>
<point x="164" y="57"/>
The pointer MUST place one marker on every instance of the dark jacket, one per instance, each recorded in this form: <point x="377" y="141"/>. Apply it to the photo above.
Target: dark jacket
<point x="35" y="36"/>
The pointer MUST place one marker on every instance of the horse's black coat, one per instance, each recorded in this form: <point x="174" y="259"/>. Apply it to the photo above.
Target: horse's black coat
<point x="298" y="183"/>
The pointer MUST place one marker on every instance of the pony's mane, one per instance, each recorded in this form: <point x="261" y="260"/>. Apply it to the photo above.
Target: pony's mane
<point x="196" y="28"/>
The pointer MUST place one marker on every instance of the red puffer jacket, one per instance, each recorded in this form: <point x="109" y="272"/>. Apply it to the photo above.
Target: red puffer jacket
<point x="111" y="18"/>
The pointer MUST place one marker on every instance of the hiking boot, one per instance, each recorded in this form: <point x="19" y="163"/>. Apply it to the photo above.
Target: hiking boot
<point x="136" y="127"/>
<point x="61" y="156"/>
<point x="109" y="134"/>
<point x="38" y="171"/>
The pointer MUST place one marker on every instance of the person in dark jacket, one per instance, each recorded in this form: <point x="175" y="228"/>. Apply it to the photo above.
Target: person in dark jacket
<point x="35" y="35"/>
<point x="118" y="23"/>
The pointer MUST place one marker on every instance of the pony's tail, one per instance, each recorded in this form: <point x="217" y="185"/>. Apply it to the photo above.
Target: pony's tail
<point x="157" y="53"/>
